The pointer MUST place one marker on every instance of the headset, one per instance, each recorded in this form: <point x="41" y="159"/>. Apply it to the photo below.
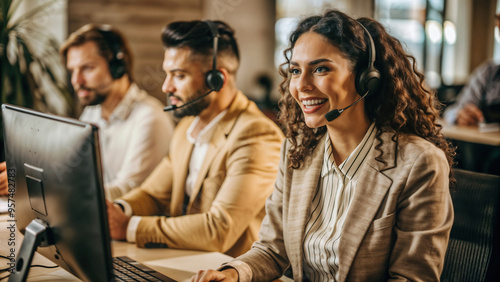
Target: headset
<point x="368" y="80"/>
<point x="214" y="78"/>
<point x="117" y="66"/>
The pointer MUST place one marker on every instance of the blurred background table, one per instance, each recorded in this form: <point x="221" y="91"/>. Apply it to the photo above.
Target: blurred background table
<point x="476" y="150"/>
<point x="470" y="134"/>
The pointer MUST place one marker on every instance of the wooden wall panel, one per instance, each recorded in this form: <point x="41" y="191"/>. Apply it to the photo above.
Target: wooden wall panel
<point x="483" y="24"/>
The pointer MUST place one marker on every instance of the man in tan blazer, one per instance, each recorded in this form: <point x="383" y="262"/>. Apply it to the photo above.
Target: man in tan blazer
<point x="209" y="192"/>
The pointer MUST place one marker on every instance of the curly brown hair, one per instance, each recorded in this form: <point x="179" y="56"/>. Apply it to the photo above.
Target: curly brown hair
<point x="403" y="103"/>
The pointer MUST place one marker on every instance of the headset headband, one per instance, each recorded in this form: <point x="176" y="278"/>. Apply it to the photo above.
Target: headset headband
<point x="215" y="36"/>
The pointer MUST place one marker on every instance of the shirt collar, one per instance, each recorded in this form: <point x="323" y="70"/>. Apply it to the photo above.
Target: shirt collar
<point x="351" y="165"/>
<point x="125" y="106"/>
<point x="206" y="133"/>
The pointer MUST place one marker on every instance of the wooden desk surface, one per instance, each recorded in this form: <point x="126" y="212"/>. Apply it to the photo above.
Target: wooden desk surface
<point x="155" y="258"/>
<point x="179" y="265"/>
<point x="470" y="134"/>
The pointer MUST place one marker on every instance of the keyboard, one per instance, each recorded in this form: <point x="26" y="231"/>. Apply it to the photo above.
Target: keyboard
<point x="127" y="269"/>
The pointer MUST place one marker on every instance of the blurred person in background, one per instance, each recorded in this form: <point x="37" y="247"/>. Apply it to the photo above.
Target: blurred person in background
<point x="134" y="131"/>
<point x="479" y="103"/>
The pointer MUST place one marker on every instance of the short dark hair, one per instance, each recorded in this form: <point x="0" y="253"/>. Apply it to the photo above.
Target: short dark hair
<point x="196" y="35"/>
<point x="97" y="33"/>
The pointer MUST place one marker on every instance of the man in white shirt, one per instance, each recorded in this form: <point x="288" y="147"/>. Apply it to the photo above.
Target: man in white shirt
<point x="134" y="131"/>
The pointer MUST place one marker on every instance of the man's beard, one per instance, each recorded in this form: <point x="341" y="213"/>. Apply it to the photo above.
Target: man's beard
<point x="193" y="109"/>
<point x="96" y="99"/>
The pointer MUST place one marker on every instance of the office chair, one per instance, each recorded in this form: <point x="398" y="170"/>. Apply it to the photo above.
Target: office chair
<point x="473" y="249"/>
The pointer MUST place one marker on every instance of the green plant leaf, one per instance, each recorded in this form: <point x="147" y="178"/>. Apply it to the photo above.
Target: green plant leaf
<point x="28" y="76"/>
<point x="26" y="53"/>
<point x="4" y="6"/>
<point x="29" y="14"/>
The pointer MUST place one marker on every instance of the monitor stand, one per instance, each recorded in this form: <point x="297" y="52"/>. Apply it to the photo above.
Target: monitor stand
<point x="36" y="234"/>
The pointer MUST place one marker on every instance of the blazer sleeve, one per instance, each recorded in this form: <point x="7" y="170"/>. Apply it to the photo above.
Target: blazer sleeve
<point x="267" y="260"/>
<point x="153" y="196"/>
<point x="424" y="220"/>
<point x="247" y="174"/>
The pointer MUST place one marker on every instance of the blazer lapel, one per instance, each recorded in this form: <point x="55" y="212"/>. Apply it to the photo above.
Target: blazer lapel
<point x="305" y="183"/>
<point x="370" y="191"/>
<point x="180" y="166"/>
<point x="218" y="139"/>
<point x="216" y="142"/>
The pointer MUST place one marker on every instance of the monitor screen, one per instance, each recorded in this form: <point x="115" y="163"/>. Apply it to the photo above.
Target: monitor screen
<point x="55" y="166"/>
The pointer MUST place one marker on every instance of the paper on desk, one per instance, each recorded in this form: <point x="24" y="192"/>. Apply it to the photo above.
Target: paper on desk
<point x="3" y="204"/>
<point x="489" y="127"/>
<point x="193" y="263"/>
<point x="57" y="275"/>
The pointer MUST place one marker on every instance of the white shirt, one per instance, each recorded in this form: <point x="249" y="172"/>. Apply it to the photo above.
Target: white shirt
<point x="133" y="141"/>
<point x="329" y="209"/>
<point x="201" y="143"/>
<point x="200" y="148"/>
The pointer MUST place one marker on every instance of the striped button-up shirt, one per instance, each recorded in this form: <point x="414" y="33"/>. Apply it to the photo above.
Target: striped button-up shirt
<point x="329" y="209"/>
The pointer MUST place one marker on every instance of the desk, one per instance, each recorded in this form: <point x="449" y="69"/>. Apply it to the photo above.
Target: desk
<point x="167" y="261"/>
<point x="470" y="134"/>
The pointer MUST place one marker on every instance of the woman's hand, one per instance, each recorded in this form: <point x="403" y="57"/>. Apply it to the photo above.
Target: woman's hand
<point x="226" y="275"/>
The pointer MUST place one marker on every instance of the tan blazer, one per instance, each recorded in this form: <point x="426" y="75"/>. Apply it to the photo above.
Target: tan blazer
<point x="226" y="208"/>
<point x="397" y="227"/>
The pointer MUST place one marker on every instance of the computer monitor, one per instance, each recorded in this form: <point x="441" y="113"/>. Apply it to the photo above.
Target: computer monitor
<point x="59" y="198"/>
<point x="492" y="113"/>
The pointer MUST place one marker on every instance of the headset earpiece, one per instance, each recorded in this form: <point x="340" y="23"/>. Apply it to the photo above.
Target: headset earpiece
<point x="368" y="79"/>
<point x="214" y="79"/>
<point x="117" y="66"/>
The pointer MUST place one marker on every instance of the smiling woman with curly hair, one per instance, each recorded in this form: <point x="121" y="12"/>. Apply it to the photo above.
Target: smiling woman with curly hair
<point x="363" y="190"/>
<point x="402" y="103"/>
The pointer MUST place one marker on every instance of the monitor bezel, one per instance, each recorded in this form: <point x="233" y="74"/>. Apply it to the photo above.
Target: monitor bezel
<point x="91" y="131"/>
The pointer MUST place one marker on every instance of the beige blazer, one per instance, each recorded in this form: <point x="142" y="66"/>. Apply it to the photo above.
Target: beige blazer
<point x="397" y="227"/>
<point x="226" y="208"/>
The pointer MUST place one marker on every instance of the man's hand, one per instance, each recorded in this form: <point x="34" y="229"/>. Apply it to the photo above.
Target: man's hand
<point x="118" y="221"/>
<point x="226" y="275"/>
<point x="470" y="115"/>
<point x="4" y="182"/>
